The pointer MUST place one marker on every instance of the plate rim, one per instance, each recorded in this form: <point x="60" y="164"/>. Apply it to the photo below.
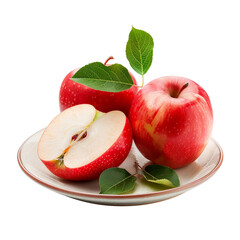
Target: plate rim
<point x="181" y="188"/>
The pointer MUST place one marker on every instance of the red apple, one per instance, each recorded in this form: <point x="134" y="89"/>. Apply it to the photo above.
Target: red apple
<point x="172" y="120"/>
<point x="73" y="93"/>
<point x="81" y="142"/>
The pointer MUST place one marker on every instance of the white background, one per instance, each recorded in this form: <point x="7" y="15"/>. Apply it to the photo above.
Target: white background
<point x="41" y="41"/>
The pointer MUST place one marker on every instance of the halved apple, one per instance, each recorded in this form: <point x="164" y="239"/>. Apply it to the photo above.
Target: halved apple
<point x="81" y="142"/>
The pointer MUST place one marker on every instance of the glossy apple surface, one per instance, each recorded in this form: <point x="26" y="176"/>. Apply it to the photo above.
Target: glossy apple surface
<point x="73" y="93"/>
<point x="171" y="125"/>
<point x="81" y="142"/>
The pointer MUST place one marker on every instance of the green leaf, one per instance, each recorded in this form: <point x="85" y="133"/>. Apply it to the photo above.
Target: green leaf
<point x="116" y="181"/>
<point x="139" y="50"/>
<point x="161" y="175"/>
<point x="113" y="78"/>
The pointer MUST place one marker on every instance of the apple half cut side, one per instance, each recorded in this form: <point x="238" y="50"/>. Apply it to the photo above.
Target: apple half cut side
<point x="81" y="142"/>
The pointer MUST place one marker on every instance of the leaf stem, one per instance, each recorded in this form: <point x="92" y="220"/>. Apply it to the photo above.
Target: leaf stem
<point x="142" y="80"/>
<point x="144" y="171"/>
<point x="139" y="166"/>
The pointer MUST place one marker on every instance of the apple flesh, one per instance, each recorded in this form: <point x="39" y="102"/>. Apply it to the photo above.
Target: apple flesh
<point x="172" y="120"/>
<point x="81" y="142"/>
<point x="73" y="93"/>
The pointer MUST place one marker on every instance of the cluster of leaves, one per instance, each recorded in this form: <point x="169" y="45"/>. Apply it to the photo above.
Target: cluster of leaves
<point x="119" y="180"/>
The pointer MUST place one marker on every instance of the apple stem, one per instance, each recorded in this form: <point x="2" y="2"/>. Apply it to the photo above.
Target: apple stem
<point x="111" y="57"/>
<point x="183" y="87"/>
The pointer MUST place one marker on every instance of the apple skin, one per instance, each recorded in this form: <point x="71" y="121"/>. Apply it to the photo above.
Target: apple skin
<point x="167" y="130"/>
<point x="113" y="157"/>
<point x="73" y="93"/>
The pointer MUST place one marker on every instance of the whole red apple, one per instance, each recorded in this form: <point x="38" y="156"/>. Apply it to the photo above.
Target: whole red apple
<point x="81" y="142"/>
<point x="73" y="93"/>
<point x="172" y="120"/>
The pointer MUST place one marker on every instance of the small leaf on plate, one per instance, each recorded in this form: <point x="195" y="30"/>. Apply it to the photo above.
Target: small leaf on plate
<point x="139" y="50"/>
<point x="161" y="175"/>
<point x="113" y="78"/>
<point x="116" y="181"/>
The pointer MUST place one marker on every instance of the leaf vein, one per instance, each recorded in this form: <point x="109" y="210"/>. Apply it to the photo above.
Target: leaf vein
<point x="117" y="183"/>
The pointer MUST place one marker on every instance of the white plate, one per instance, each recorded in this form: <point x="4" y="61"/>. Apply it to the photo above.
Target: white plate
<point x="190" y="176"/>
